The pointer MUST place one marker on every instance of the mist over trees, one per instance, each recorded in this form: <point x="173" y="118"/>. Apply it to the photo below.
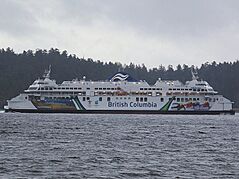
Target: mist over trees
<point x="19" y="70"/>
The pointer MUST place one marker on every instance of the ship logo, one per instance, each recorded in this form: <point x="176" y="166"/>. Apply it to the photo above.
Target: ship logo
<point x="119" y="77"/>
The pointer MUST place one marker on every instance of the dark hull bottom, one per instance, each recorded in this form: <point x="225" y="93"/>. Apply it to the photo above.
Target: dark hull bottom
<point x="231" y="112"/>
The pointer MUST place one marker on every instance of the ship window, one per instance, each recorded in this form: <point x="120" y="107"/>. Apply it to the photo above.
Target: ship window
<point x="161" y="99"/>
<point x="67" y="88"/>
<point x="117" y="98"/>
<point x="202" y="89"/>
<point x="145" y="99"/>
<point x="186" y="89"/>
<point x="108" y="98"/>
<point x="169" y="99"/>
<point x="96" y="88"/>
<point x="190" y="99"/>
<point x="88" y="88"/>
<point x="149" y="88"/>
<point x="108" y="88"/>
<point x="198" y="99"/>
<point x="174" y="89"/>
<point x="141" y="89"/>
<point x="182" y="99"/>
<point x="112" y="89"/>
<point x="88" y="98"/>
<point x="169" y="89"/>
<point x="186" y="99"/>
<point x="145" y="88"/>
<point x="125" y="97"/>
<point x="137" y="99"/>
<point x="104" y="88"/>
<point x="128" y="97"/>
<point x="153" y="89"/>
<point x="83" y="98"/>
<point x="178" y="99"/>
<point x="194" y="99"/>
<point x="141" y="99"/>
<point x="100" y="88"/>
<point x="100" y="98"/>
<point x="158" y="94"/>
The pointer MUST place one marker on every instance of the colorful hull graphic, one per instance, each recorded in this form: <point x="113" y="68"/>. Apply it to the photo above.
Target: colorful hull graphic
<point x="54" y="104"/>
<point x="196" y="106"/>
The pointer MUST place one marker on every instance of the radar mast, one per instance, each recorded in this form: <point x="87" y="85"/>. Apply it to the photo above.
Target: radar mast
<point x="47" y="73"/>
<point x="194" y="73"/>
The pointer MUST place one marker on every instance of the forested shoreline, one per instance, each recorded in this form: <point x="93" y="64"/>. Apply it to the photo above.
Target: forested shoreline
<point x="19" y="70"/>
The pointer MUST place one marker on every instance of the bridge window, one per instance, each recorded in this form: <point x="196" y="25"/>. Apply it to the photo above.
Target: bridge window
<point x="141" y="99"/>
<point x="161" y="99"/>
<point x="83" y="99"/>
<point x="145" y="99"/>
<point x="137" y="99"/>
<point x="100" y="98"/>
<point x="108" y="98"/>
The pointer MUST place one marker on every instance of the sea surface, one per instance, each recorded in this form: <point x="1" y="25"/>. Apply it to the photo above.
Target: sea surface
<point x="118" y="146"/>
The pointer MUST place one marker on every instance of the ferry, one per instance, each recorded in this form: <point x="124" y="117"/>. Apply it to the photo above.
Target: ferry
<point x="120" y="94"/>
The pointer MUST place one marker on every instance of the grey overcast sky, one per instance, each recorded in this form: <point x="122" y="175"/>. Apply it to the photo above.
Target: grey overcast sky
<point x="152" y="32"/>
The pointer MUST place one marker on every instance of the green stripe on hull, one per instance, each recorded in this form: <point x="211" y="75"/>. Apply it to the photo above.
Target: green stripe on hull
<point x="78" y="103"/>
<point x="167" y="105"/>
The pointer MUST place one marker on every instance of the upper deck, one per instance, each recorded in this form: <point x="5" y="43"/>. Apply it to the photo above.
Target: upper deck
<point x="121" y="83"/>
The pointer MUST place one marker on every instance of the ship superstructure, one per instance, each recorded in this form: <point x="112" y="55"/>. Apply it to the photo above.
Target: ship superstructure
<point x="121" y="94"/>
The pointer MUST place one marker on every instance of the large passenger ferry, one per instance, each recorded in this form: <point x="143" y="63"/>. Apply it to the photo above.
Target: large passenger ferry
<point x="120" y="94"/>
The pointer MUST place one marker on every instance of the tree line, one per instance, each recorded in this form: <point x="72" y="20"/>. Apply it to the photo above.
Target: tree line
<point x="19" y="70"/>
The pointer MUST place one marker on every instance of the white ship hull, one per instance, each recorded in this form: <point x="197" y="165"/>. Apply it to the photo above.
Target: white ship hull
<point x="126" y="104"/>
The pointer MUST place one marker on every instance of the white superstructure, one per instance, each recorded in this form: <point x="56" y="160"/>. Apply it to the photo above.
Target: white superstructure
<point x="120" y="94"/>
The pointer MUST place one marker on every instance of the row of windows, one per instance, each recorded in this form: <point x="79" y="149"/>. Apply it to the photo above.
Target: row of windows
<point x="186" y="99"/>
<point x="150" y="89"/>
<point x="57" y="97"/>
<point x="140" y="99"/>
<point x="107" y="88"/>
<point x="181" y="89"/>
<point x="50" y="88"/>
